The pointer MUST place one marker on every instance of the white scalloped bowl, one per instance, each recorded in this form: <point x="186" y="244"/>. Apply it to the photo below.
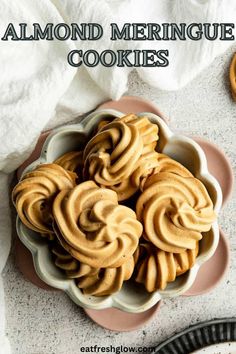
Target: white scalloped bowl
<point x="132" y="297"/>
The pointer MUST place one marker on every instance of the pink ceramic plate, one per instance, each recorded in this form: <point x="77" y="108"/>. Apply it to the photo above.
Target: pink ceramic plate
<point x="118" y="320"/>
<point x="24" y="261"/>
<point x="213" y="271"/>
<point x="219" y="166"/>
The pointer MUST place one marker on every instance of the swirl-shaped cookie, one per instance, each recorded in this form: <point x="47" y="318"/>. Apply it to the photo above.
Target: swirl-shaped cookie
<point x="167" y="164"/>
<point x="72" y="161"/>
<point x="71" y="266"/>
<point x="232" y="76"/>
<point x="34" y="194"/>
<point x="156" y="268"/>
<point x="110" y="156"/>
<point x="145" y="166"/>
<point x="93" y="281"/>
<point x="148" y="130"/>
<point x="102" y="123"/>
<point x="93" y="228"/>
<point x="107" y="280"/>
<point x="148" y="164"/>
<point x="174" y="211"/>
<point x="125" y="189"/>
<point x="163" y="163"/>
<point x="185" y="260"/>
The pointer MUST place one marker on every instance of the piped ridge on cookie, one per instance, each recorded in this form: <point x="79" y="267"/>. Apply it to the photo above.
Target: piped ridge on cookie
<point x="121" y="154"/>
<point x="174" y="211"/>
<point x="33" y="196"/>
<point x="93" y="281"/>
<point x="93" y="227"/>
<point x="157" y="268"/>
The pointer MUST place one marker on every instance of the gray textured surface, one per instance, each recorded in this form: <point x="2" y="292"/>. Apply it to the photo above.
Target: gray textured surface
<point x="40" y="322"/>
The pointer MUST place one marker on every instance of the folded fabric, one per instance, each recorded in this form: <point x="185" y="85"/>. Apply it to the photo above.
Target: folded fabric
<point x="34" y="77"/>
<point x="38" y="84"/>
<point x="5" y="244"/>
<point x="186" y="58"/>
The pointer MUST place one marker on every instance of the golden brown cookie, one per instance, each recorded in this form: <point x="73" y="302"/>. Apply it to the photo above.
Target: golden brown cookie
<point x="72" y="161"/>
<point x="107" y="280"/>
<point x="145" y="167"/>
<point x="157" y="268"/>
<point x="111" y="163"/>
<point x="232" y="76"/>
<point x="93" y="281"/>
<point x="147" y="129"/>
<point x="163" y="163"/>
<point x="71" y="266"/>
<point x="111" y="155"/>
<point x="94" y="228"/>
<point x="34" y="194"/>
<point x="174" y="211"/>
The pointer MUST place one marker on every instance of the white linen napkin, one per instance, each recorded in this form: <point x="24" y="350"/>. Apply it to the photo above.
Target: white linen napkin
<point x="38" y="88"/>
<point x="5" y="244"/>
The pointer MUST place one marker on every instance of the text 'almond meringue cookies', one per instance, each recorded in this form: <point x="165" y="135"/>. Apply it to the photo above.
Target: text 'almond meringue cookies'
<point x="34" y="194"/>
<point x="93" y="281"/>
<point x="94" y="228"/>
<point x="174" y="210"/>
<point x="157" y="268"/>
<point x="72" y="161"/>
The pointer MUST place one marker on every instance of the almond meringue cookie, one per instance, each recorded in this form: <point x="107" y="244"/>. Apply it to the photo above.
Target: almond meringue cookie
<point x="148" y="130"/>
<point x="232" y="76"/>
<point x="174" y="211"/>
<point x="157" y="268"/>
<point x="140" y="164"/>
<point x="167" y="164"/>
<point x="110" y="156"/>
<point x="72" y="161"/>
<point x="94" y="228"/>
<point x="186" y="260"/>
<point x="71" y="266"/>
<point x="161" y="163"/>
<point x="107" y="281"/>
<point x="93" y="281"/>
<point x="146" y="165"/>
<point x="33" y="196"/>
<point x="125" y="189"/>
<point x="102" y="123"/>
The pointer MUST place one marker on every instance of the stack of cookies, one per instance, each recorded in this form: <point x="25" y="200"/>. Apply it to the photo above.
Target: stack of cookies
<point x="117" y="210"/>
